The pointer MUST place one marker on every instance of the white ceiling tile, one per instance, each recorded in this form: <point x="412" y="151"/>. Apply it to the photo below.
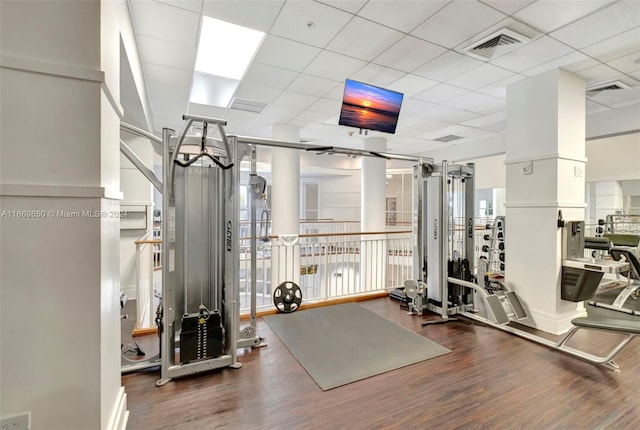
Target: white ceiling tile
<point x="532" y="54"/>
<point x="593" y="107"/>
<point x="635" y="75"/>
<point x="565" y="62"/>
<point x="599" y="73"/>
<point x="285" y="54"/>
<point x="205" y="110"/>
<point x="275" y="114"/>
<point x="498" y="127"/>
<point x="294" y="100"/>
<point x="546" y="16"/>
<point x="499" y="89"/>
<point x="448" y="66"/>
<point x="440" y="93"/>
<point x="491" y="107"/>
<point x="156" y="74"/>
<point x="581" y="65"/>
<point x="608" y="22"/>
<point x="408" y="54"/>
<point x="508" y="6"/>
<point x="336" y="93"/>
<point x="423" y="147"/>
<point x="455" y="116"/>
<point x="618" y="98"/>
<point x="410" y="85"/>
<point x="486" y="120"/>
<point x="256" y="92"/>
<point x="481" y="77"/>
<point x="152" y="19"/>
<point x="192" y="5"/>
<point x="452" y="129"/>
<point x="415" y="107"/>
<point x="616" y="46"/>
<point x="363" y="39"/>
<point x="352" y="6"/>
<point x="238" y="119"/>
<point x="422" y="124"/>
<point x="333" y="66"/>
<point x="627" y="64"/>
<point x="471" y="132"/>
<point x="326" y="106"/>
<point x="165" y="53"/>
<point x="457" y="22"/>
<point x="272" y="77"/>
<point x="377" y="75"/>
<point x="468" y="100"/>
<point x="404" y="16"/>
<point x="167" y="114"/>
<point x="256" y="14"/>
<point x="407" y="131"/>
<point x="309" y="117"/>
<point x="212" y="90"/>
<point x="295" y="15"/>
<point x="174" y="93"/>
<point x="312" y="85"/>
<point x="451" y="115"/>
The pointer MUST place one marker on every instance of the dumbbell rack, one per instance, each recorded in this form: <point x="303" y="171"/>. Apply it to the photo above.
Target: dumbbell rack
<point x="503" y="302"/>
<point x="495" y="248"/>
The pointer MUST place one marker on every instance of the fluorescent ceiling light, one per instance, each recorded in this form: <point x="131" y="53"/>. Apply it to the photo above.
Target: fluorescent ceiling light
<point x="226" y="49"/>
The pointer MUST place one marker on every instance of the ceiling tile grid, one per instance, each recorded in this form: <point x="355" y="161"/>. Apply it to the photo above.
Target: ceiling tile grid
<point x="412" y="46"/>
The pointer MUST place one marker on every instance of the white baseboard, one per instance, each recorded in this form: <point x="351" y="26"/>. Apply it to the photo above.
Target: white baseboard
<point x="554" y="324"/>
<point x="120" y="414"/>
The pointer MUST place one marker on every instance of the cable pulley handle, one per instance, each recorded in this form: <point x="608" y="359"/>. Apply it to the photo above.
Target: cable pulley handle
<point x="203" y="154"/>
<point x="203" y="140"/>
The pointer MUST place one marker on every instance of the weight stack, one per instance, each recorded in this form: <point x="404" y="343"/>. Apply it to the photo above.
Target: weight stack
<point x="200" y="337"/>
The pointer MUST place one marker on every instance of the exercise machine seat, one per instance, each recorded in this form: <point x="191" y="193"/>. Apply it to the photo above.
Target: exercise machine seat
<point x="630" y="257"/>
<point x="624" y="239"/>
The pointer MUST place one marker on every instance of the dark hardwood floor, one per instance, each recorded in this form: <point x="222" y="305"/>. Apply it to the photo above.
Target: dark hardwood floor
<point x="490" y="380"/>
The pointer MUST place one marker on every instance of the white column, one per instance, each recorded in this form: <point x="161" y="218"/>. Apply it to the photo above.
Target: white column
<point x="609" y="199"/>
<point x="545" y="160"/>
<point x="60" y="193"/>
<point x="373" y="260"/>
<point x="285" y="204"/>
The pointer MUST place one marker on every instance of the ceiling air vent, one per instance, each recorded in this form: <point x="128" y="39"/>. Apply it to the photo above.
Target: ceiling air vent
<point x="247" y="105"/>
<point x="606" y="86"/>
<point x="496" y="44"/>
<point x="448" y="138"/>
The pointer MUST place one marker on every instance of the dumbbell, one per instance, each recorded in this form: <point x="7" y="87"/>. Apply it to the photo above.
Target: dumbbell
<point x="486" y="248"/>
<point x="501" y="256"/>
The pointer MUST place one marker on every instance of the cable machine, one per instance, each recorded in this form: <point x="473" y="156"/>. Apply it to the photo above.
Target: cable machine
<point x="199" y="314"/>
<point x="443" y="237"/>
<point x="443" y="231"/>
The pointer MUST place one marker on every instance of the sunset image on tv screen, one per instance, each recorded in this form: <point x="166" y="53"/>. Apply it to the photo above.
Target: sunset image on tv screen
<point x="368" y="107"/>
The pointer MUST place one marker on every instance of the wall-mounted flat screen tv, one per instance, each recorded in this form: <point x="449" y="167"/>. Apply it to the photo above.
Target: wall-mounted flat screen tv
<point x="368" y="107"/>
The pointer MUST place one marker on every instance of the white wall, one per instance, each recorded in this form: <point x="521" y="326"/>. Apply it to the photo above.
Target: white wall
<point x="59" y="284"/>
<point x="340" y="196"/>
<point x="613" y="159"/>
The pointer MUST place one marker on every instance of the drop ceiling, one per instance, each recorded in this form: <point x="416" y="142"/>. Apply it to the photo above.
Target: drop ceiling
<point x="415" y="47"/>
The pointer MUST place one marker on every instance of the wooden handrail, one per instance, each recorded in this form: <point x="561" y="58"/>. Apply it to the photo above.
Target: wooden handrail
<point x="367" y="233"/>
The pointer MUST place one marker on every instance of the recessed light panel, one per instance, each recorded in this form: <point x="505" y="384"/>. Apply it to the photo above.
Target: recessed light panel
<point x="226" y="49"/>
